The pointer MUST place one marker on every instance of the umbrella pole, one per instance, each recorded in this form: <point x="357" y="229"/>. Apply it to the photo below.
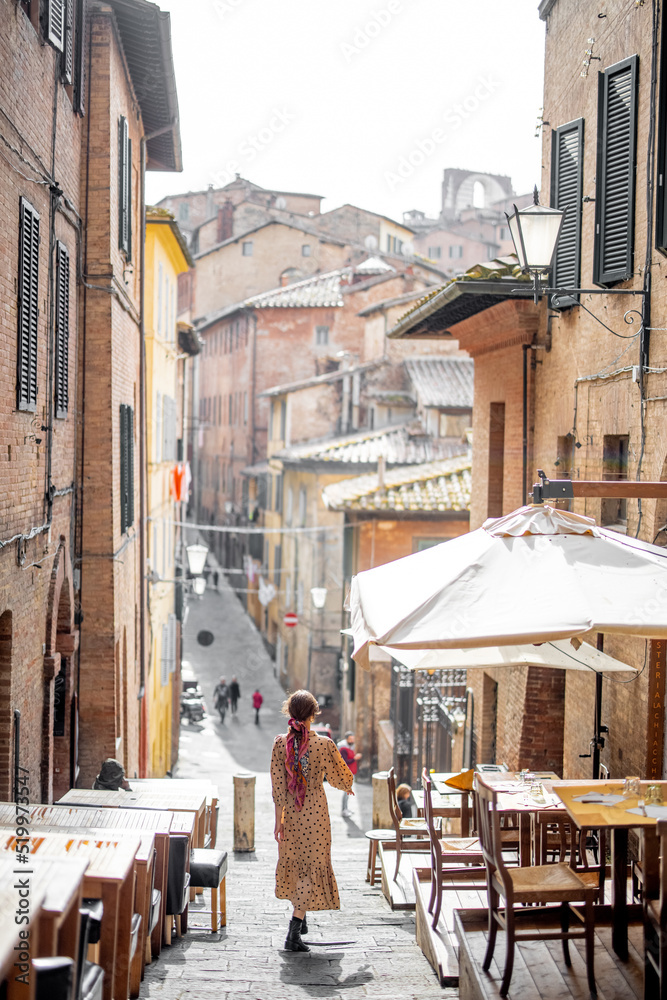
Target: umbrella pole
<point x="598" y="739"/>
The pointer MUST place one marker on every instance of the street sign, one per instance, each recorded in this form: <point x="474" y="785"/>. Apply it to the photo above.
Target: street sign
<point x="291" y="619"/>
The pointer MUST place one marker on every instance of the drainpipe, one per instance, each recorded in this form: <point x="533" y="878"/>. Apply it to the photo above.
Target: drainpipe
<point x="526" y="348"/>
<point x="143" y="746"/>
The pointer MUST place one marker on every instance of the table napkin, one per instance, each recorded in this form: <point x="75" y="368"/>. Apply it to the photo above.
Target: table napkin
<point x="599" y="798"/>
<point x="655" y="812"/>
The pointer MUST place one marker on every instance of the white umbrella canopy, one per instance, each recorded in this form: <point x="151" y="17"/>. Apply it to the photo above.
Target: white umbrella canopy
<point x="537" y="575"/>
<point x="563" y="654"/>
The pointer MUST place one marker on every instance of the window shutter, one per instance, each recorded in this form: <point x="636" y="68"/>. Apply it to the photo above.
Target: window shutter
<point x="62" y="330"/>
<point x="123" y="192"/>
<point x="126" y="467"/>
<point x="28" y="306"/>
<point x="56" y="24"/>
<point x="68" y="54"/>
<point x="158" y="427"/>
<point x="567" y="171"/>
<point x="128" y="207"/>
<point x="81" y="29"/>
<point x="616" y="163"/>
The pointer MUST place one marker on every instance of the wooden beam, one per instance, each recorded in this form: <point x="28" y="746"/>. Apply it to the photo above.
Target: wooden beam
<point x="619" y="489"/>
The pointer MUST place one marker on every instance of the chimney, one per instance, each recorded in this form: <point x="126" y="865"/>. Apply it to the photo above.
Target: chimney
<point x="225" y="221"/>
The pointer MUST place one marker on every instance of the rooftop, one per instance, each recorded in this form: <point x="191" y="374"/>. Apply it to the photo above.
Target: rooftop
<point x="307" y="383"/>
<point x="442" y="382"/>
<point x="403" y="444"/>
<point x="431" y="487"/>
<point x="481" y="287"/>
<point x="145" y="32"/>
<point x="323" y="290"/>
<point x="161" y="217"/>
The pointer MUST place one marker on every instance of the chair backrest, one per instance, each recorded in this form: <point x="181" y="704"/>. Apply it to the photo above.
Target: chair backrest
<point x="488" y="830"/>
<point x="427" y="785"/>
<point x="662" y="834"/>
<point x="394" y="809"/>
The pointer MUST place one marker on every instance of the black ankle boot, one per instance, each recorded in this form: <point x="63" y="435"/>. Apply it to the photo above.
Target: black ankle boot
<point x="304" y="926"/>
<point x="293" y="940"/>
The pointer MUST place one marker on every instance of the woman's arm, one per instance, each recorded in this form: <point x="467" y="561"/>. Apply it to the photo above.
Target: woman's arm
<point x="337" y="771"/>
<point x="278" y="774"/>
<point x="279" y="829"/>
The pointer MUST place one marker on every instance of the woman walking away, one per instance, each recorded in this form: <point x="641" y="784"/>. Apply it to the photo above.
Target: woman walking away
<point x="300" y="761"/>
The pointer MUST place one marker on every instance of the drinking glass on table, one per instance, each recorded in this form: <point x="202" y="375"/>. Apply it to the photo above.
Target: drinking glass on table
<point x="632" y="787"/>
<point x="654" y="795"/>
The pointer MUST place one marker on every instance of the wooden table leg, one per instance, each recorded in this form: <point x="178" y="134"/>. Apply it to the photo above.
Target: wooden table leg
<point x="465" y="815"/>
<point x="108" y="893"/>
<point x="619" y="902"/>
<point x="525" y="859"/>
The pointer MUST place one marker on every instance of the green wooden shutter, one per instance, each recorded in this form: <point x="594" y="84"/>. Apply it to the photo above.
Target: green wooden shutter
<point x="567" y="172"/>
<point x="616" y="167"/>
<point x="126" y="467"/>
<point x="130" y="466"/>
<point x="28" y="306"/>
<point x="123" y="192"/>
<point x="80" y="37"/>
<point x="62" y="330"/>
<point x="128" y="206"/>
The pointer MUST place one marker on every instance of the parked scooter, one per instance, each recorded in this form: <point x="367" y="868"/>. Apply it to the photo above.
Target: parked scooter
<point x="193" y="707"/>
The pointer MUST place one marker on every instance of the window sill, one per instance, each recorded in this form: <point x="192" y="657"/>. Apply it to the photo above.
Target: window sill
<point x="618" y="526"/>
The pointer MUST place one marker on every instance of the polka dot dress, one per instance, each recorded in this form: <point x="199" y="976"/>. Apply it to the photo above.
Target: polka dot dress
<point x="304" y="874"/>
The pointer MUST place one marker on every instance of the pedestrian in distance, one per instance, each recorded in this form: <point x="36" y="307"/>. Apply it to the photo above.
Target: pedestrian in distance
<point x="234" y="694"/>
<point x="221" y="697"/>
<point x="403" y="797"/>
<point x="112" y="777"/>
<point x="216" y="578"/>
<point x="299" y="763"/>
<point x="257" y="704"/>
<point x="347" y="752"/>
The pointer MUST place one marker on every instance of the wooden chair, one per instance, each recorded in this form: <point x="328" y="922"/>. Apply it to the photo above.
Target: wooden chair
<point x="405" y="828"/>
<point x="541" y="884"/>
<point x="464" y="853"/>
<point x="655" y="924"/>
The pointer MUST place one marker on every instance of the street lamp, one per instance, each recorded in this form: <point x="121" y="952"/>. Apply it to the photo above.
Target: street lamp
<point x="535" y="231"/>
<point x="319" y="597"/>
<point x="196" y="558"/>
<point x="196" y="561"/>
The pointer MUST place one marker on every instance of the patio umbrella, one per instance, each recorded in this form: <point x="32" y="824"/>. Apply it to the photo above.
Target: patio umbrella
<point x="563" y="654"/>
<point x="537" y="575"/>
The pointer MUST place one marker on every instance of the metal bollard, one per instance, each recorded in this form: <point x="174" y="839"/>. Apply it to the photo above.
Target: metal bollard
<point x="381" y="815"/>
<point x="244" y="812"/>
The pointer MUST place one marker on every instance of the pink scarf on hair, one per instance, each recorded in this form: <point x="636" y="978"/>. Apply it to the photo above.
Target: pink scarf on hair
<point x="297" y="748"/>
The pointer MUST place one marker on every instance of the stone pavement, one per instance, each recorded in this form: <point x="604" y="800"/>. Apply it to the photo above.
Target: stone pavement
<point x="363" y="950"/>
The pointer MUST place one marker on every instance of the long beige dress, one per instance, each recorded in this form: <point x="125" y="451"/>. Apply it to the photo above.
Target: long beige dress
<point x="304" y="874"/>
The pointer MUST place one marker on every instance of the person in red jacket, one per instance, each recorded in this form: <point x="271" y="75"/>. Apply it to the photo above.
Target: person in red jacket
<point x="257" y="704"/>
<point x="347" y="752"/>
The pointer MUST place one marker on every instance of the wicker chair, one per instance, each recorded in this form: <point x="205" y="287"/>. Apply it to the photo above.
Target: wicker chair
<point x="541" y="884"/>
<point x="464" y="853"/>
<point x="405" y="828"/>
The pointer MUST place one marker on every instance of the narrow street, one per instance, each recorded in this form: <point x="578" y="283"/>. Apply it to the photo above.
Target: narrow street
<point x="364" y="950"/>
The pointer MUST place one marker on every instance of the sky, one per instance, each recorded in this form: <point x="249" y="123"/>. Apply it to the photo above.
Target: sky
<point x="361" y="101"/>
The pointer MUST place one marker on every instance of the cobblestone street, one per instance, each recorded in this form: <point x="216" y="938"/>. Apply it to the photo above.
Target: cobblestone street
<point x="364" y="950"/>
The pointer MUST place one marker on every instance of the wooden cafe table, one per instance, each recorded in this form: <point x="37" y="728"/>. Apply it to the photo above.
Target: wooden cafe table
<point x="514" y="797"/>
<point x="165" y="800"/>
<point x="133" y="821"/>
<point x="617" y="819"/>
<point x="456" y="797"/>
<point x="179" y="786"/>
<point x="109" y="876"/>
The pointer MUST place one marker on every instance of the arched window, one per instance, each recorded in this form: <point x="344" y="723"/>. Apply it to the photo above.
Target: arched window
<point x="478" y="195"/>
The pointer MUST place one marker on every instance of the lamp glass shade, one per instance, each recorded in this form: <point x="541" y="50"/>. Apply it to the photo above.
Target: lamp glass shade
<point x="319" y="597"/>
<point x="199" y="585"/>
<point x="196" y="558"/>
<point x="535" y="231"/>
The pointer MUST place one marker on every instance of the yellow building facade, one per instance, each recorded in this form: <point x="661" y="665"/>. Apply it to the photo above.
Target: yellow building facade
<point x="167" y="256"/>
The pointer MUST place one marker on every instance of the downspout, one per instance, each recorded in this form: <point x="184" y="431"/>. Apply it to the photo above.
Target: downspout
<point x="526" y="348"/>
<point x="143" y="750"/>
